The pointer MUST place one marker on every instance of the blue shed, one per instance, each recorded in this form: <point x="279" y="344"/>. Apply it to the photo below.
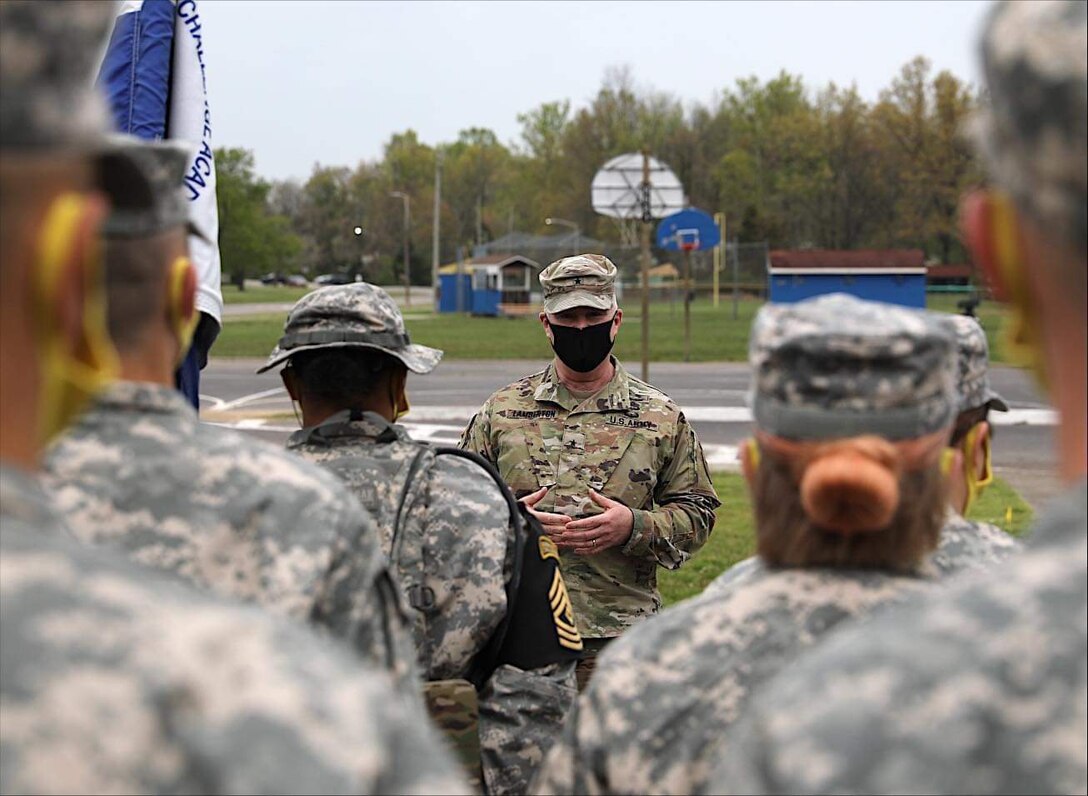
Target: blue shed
<point x="491" y="285"/>
<point x="893" y="276"/>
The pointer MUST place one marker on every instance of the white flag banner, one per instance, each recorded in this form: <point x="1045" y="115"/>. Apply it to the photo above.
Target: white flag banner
<point x="191" y="120"/>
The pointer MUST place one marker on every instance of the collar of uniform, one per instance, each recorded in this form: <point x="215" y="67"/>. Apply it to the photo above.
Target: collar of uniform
<point x="349" y="423"/>
<point x="144" y="397"/>
<point x="22" y="498"/>
<point x="616" y="394"/>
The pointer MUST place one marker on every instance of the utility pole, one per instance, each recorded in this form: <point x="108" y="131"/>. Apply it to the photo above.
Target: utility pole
<point x="646" y="219"/>
<point x="479" y="221"/>
<point x="407" y="247"/>
<point x="436" y="226"/>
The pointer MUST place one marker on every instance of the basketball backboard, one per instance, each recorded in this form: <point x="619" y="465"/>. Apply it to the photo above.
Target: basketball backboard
<point x="617" y="188"/>
<point x="689" y="230"/>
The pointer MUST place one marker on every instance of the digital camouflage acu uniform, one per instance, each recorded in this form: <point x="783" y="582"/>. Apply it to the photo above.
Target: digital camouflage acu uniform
<point x="445" y="526"/>
<point x="111" y="679"/>
<point x="669" y="689"/>
<point x="140" y="472"/>
<point x="967" y="543"/>
<point x="114" y="680"/>
<point x="980" y="687"/>
<point x="629" y="442"/>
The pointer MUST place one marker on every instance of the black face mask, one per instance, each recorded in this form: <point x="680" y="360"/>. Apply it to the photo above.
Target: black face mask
<point x="582" y="350"/>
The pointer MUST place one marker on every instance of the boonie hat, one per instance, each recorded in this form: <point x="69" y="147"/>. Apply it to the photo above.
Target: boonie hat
<point x="358" y="315"/>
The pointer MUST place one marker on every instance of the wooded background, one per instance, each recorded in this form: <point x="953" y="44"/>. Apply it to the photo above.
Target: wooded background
<point x="788" y="164"/>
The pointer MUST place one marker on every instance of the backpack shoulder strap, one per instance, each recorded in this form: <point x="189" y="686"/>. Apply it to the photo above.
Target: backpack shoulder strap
<point x="407" y="555"/>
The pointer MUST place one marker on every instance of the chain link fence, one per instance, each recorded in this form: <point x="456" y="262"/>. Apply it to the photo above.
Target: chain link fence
<point x="744" y="266"/>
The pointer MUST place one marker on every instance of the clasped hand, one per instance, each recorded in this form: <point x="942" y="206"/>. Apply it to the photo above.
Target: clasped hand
<point x="589" y="535"/>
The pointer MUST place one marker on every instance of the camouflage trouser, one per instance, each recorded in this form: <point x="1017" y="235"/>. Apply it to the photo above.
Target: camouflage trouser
<point x="591" y="649"/>
<point x="454" y="707"/>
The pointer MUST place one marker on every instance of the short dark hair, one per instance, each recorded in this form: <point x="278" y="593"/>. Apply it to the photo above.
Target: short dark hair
<point x="135" y="277"/>
<point x="343" y="377"/>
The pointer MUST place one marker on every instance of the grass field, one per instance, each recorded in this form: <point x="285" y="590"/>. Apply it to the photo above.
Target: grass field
<point x="733" y="538"/>
<point x="716" y="336"/>
<point x="264" y="294"/>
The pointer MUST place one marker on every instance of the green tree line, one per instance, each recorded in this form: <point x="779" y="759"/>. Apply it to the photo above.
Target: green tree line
<point x="787" y="164"/>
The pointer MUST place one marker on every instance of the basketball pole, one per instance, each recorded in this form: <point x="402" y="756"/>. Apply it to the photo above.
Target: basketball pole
<point x="687" y="304"/>
<point x="717" y="260"/>
<point x="646" y="218"/>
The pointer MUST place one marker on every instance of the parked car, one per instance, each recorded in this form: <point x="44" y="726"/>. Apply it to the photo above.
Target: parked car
<point x="296" y="280"/>
<point x="273" y="279"/>
<point x="334" y="279"/>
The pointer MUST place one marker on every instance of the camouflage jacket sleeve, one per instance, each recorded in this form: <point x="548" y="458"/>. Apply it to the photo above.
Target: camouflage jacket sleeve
<point x="359" y="601"/>
<point x="477" y="434"/>
<point x="684" y="503"/>
<point x="521" y="715"/>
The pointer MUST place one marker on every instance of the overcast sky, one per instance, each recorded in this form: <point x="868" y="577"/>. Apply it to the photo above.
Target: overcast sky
<point x="329" y="82"/>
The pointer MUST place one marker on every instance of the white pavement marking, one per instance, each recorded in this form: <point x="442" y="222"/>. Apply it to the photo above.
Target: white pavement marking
<point x="699" y="414"/>
<point x="734" y="414"/>
<point x="1024" y="417"/>
<point x="252" y="398"/>
<point x="721" y="457"/>
<point x="718" y="457"/>
<point x="216" y="403"/>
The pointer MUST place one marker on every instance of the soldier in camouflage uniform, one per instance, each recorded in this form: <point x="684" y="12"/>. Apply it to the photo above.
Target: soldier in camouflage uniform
<point x="967" y="543"/>
<point x="852" y="404"/>
<point x="111" y="679"/>
<point x="609" y="464"/>
<point x="227" y="512"/>
<point x="980" y="687"/>
<point x="445" y="524"/>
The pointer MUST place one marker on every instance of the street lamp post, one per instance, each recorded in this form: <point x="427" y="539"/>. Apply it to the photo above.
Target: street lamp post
<point x="564" y="223"/>
<point x="407" y="245"/>
<point x="358" y="232"/>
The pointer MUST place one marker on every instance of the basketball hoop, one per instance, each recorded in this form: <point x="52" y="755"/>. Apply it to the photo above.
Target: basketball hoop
<point x="687" y="240"/>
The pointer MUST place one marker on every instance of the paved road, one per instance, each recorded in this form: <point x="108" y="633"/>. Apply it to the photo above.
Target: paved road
<point x="712" y="395"/>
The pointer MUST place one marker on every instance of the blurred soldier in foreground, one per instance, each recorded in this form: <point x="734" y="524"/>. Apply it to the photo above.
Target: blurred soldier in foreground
<point x="966" y="543"/>
<point x="845" y="471"/>
<point x="139" y="471"/>
<point x="492" y="616"/>
<point x="608" y="464"/>
<point x="113" y="680"/>
<point x="981" y="687"/>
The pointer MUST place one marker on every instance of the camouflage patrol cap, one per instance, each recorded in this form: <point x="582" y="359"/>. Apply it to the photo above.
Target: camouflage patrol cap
<point x="973" y="357"/>
<point x="836" y="366"/>
<point x="358" y="315"/>
<point x="1033" y="132"/>
<point x="584" y="280"/>
<point x="48" y="55"/>
<point x="143" y="181"/>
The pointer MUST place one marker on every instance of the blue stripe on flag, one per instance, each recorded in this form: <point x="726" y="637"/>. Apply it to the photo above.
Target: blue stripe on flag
<point x="135" y="74"/>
